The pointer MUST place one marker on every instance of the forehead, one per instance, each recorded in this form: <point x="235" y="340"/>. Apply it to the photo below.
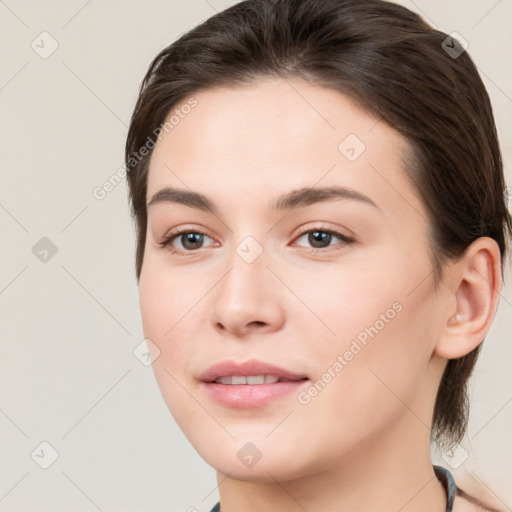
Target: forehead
<point x="277" y="134"/>
<point x="288" y="117"/>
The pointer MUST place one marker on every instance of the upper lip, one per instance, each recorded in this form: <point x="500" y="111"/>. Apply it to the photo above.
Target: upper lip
<point x="252" y="367"/>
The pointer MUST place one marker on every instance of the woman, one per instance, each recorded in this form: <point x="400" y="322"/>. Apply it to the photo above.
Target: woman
<point x="319" y="200"/>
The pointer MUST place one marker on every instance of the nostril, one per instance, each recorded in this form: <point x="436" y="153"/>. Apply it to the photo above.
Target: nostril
<point x="258" y="322"/>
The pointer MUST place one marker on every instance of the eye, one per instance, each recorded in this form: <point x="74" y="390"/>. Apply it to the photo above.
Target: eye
<point x="321" y="238"/>
<point x="191" y="240"/>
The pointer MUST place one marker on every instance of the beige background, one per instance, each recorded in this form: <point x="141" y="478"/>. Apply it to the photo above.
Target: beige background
<point x="69" y="326"/>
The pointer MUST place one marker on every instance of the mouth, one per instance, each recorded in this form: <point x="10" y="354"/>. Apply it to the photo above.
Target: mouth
<point x="249" y="384"/>
<point x="235" y="380"/>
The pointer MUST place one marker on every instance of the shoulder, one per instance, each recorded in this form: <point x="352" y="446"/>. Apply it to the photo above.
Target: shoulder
<point x="465" y="503"/>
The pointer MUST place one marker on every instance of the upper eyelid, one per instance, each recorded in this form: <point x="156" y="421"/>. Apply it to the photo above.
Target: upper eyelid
<point x="181" y="231"/>
<point x="175" y="235"/>
<point x="334" y="231"/>
<point x="186" y="229"/>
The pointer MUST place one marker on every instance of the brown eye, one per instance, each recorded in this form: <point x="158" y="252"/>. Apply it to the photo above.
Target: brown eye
<point x="321" y="238"/>
<point x="318" y="239"/>
<point x="190" y="241"/>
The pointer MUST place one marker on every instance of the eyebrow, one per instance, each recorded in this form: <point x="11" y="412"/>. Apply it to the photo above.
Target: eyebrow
<point x="294" y="199"/>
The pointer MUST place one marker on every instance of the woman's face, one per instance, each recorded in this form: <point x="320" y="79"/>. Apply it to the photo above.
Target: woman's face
<point x="335" y="290"/>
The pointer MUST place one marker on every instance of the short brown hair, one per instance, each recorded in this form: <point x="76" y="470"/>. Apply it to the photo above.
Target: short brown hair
<point x="396" y="67"/>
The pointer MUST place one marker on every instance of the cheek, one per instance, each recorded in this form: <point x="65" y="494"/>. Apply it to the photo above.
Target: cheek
<point x="167" y="315"/>
<point x="164" y="310"/>
<point x="347" y="302"/>
<point x="166" y="297"/>
<point x="381" y="334"/>
<point x="364" y="379"/>
<point x="153" y="302"/>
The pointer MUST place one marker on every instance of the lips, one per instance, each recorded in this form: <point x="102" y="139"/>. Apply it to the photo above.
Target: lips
<point x="249" y="384"/>
<point x="247" y="369"/>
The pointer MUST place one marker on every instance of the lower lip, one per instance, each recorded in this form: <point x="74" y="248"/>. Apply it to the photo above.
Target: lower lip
<point x="250" y="395"/>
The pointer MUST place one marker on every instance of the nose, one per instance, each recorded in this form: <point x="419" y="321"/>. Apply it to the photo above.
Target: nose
<point x="248" y="299"/>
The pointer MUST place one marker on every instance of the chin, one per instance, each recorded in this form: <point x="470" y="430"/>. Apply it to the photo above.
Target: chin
<point x="260" y="473"/>
<point x="244" y="461"/>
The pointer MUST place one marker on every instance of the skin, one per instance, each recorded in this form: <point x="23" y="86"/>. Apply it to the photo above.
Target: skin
<point x="369" y="428"/>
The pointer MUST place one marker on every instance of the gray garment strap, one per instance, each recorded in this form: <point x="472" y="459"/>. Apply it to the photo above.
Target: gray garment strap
<point x="447" y="480"/>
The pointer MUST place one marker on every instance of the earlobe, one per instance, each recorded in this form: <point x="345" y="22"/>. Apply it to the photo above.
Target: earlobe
<point x="476" y="283"/>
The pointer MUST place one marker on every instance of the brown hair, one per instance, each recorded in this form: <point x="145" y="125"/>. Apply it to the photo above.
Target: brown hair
<point x="396" y="67"/>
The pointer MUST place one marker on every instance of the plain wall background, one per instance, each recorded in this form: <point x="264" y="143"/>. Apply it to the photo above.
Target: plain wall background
<point x="69" y="326"/>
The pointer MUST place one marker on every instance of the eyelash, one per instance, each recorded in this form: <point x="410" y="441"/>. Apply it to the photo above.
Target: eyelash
<point x="166" y="242"/>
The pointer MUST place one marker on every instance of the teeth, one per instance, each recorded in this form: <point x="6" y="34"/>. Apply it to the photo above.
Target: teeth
<point x="250" y="379"/>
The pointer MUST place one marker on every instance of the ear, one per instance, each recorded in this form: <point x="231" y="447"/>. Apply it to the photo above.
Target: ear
<point x="475" y="281"/>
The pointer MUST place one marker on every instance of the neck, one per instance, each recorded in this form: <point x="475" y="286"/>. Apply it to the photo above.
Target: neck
<point x="393" y="473"/>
